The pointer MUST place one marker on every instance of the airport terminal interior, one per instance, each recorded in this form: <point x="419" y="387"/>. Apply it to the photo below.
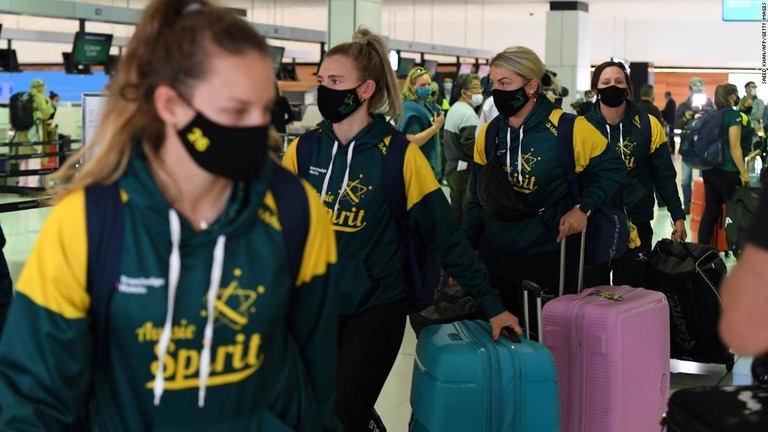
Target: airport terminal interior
<point x="663" y="43"/>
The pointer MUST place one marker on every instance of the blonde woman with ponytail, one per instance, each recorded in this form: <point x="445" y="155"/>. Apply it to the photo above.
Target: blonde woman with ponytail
<point x="347" y="159"/>
<point x="163" y="293"/>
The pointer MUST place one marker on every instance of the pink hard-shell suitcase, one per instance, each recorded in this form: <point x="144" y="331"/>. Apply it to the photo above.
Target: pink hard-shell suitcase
<point x="612" y="356"/>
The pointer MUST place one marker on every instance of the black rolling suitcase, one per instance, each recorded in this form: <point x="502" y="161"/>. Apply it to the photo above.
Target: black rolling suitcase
<point x="724" y="409"/>
<point x="689" y="274"/>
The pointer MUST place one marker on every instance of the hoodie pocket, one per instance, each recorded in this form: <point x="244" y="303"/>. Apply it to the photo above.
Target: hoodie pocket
<point x="355" y="287"/>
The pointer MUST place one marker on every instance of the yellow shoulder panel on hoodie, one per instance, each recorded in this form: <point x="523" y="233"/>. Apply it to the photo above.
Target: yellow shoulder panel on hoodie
<point x="480" y="144"/>
<point x="320" y="249"/>
<point x="55" y="274"/>
<point x="419" y="177"/>
<point x="289" y="158"/>
<point x="658" y="137"/>
<point x="588" y="142"/>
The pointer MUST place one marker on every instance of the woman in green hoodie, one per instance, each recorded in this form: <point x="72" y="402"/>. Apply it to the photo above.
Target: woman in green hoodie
<point x="525" y="148"/>
<point x="649" y="167"/>
<point x="351" y="149"/>
<point x="216" y="319"/>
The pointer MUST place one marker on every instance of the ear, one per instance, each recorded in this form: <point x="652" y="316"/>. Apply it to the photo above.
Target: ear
<point x="532" y="88"/>
<point x="368" y="89"/>
<point x="171" y="109"/>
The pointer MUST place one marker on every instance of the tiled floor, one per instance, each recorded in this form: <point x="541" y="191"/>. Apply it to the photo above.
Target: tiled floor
<point x="21" y="230"/>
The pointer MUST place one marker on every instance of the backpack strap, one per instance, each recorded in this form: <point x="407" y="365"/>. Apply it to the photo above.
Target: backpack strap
<point x="566" y="157"/>
<point x="394" y="182"/>
<point x="491" y="133"/>
<point x="105" y="219"/>
<point x="645" y="127"/>
<point x="293" y="211"/>
<point x="305" y="147"/>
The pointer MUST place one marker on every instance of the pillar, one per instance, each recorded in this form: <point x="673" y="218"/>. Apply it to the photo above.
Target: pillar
<point x="345" y="16"/>
<point x="568" y="46"/>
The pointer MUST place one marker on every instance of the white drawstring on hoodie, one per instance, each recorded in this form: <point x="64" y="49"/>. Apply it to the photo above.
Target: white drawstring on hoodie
<point x="621" y="138"/>
<point x="346" y="174"/>
<point x="519" y="156"/>
<point x="174" y="271"/>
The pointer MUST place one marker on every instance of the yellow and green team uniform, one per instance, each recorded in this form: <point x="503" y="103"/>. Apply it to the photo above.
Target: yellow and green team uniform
<point x="273" y="356"/>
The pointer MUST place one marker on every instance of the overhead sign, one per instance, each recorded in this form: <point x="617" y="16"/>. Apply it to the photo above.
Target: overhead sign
<point x="744" y="10"/>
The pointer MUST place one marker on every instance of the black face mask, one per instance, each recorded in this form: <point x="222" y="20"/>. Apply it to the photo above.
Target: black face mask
<point x="612" y="96"/>
<point x="336" y="105"/>
<point x="510" y="102"/>
<point x="237" y="153"/>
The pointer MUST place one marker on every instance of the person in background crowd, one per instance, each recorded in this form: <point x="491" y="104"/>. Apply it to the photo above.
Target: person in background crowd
<point x="722" y="181"/>
<point x="649" y="167"/>
<point x="282" y="113"/>
<point x="54" y="99"/>
<point x="446" y="100"/>
<point x="758" y="106"/>
<point x="748" y="134"/>
<point x="460" y="125"/>
<point x="647" y="98"/>
<point x="581" y="105"/>
<point x="218" y="321"/>
<point x="668" y="115"/>
<point x="356" y="84"/>
<point x="525" y="148"/>
<point x="434" y="106"/>
<point x="419" y="124"/>
<point x="42" y="112"/>
<point x="744" y="323"/>
<point x="697" y="102"/>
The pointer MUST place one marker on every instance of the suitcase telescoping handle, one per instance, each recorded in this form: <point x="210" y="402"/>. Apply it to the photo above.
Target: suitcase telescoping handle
<point x="536" y="290"/>
<point x="582" y="247"/>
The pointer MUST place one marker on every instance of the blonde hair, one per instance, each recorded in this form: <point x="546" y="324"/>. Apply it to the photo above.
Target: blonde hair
<point x="527" y="64"/>
<point x="413" y="75"/>
<point x="171" y="46"/>
<point x="370" y="54"/>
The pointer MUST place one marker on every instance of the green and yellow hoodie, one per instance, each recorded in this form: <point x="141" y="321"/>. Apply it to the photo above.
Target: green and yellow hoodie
<point x="272" y="358"/>
<point x="371" y="249"/>
<point x="529" y="154"/>
<point x="649" y="165"/>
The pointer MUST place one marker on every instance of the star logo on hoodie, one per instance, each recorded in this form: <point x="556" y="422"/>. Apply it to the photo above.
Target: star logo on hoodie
<point x="234" y="304"/>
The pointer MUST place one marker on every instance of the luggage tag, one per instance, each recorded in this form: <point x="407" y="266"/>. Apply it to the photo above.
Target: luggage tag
<point x="610" y="295"/>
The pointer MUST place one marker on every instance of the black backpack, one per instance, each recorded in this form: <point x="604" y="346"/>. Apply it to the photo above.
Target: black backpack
<point x="22" y="109"/>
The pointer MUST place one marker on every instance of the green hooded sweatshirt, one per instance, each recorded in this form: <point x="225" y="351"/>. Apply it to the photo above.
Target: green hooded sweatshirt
<point x="273" y="344"/>
<point x="371" y="248"/>
<point x="537" y="175"/>
<point x="649" y="165"/>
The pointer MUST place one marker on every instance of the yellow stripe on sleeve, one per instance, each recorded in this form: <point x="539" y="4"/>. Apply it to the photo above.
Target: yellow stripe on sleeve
<point x="289" y="158"/>
<point x="320" y="249"/>
<point x="588" y="143"/>
<point x="744" y="119"/>
<point x="480" y="144"/>
<point x="419" y="178"/>
<point x="658" y="137"/>
<point x="55" y="274"/>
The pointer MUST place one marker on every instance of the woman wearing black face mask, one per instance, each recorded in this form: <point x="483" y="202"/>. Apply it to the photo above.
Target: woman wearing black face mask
<point x="346" y="160"/>
<point x="640" y="140"/>
<point x="167" y="287"/>
<point x="525" y="147"/>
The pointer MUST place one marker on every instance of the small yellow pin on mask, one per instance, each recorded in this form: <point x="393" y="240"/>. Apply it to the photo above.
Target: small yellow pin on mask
<point x="200" y="141"/>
